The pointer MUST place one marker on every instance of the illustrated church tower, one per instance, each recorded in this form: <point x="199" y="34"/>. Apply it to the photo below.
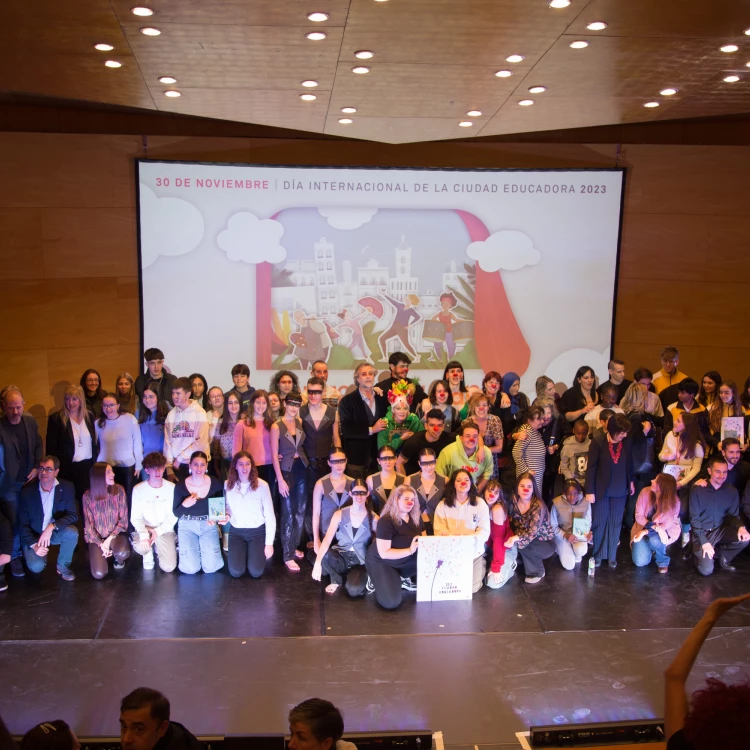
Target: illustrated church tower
<point x="326" y="286"/>
<point x="403" y="282"/>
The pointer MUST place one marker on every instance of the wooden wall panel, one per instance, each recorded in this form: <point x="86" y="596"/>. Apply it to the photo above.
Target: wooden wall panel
<point x="68" y="243"/>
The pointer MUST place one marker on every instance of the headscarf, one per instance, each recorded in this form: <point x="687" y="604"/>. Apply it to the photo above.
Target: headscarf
<point x="515" y="401"/>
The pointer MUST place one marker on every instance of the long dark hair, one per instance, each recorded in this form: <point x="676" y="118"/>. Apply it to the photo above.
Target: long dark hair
<point x="103" y="419"/>
<point x="100" y="391"/>
<point x="716" y="411"/>
<point x="668" y="500"/>
<point x="224" y="424"/>
<point x="233" y="477"/>
<point x="161" y="411"/>
<point x="745" y="395"/>
<point x="273" y="386"/>
<point x="702" y="397"/>
<point x="580" y="372"/>
<point x="530" y="476"/>
<point x="361" y="484"/>
<point x="691" y="436"/>
<point x="204" y="398"/>
<point x="433" y="390"/>
<point x="250" y="413"/>
<point x="99" y="489"/>
<point x="449" y="497"/>
<point x="451" y="365"/>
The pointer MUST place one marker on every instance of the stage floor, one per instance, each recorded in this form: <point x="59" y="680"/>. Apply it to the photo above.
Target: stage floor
<point x="234" y="655"/>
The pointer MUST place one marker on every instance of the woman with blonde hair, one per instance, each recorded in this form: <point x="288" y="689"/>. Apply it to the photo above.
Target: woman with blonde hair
<point x="126" y="395"/>
<point x="657" y="522"/>
<point x="638" y="398"/>
<point x="490" y="427"/>
<point x="71" y="437"/>
<point x="392" y="561"/>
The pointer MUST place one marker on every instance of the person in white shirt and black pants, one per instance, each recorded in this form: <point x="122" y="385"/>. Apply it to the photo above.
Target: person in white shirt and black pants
<point x="253" y="522"/>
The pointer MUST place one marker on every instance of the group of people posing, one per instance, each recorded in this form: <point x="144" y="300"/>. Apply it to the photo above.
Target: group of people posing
<point x="197" y="478"/>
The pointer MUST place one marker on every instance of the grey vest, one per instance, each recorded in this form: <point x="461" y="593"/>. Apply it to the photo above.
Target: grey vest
<point x="428" y="501"/>
<point x="348" y="539"/>
<point x="289" y="445"/>
<point x="330" y="503"/>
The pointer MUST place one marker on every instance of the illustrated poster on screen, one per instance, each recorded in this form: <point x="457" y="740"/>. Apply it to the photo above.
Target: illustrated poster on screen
<point x="350" y="265"/>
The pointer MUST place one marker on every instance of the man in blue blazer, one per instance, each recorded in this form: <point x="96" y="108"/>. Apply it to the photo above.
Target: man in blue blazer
<point x="47" y="515"/>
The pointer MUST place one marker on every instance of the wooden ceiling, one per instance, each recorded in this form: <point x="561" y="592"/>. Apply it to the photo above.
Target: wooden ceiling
<point x="434" y="60"/>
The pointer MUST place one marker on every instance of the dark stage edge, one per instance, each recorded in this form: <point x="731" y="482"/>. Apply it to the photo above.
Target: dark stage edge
<point x="235" y="655"/>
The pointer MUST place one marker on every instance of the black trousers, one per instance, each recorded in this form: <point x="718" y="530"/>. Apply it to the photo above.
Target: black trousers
<point x="606" y="523"/>
<point x="336" y="566"/>
<point x="247" y="551"/>
<point x="534" y="555"/>
<point x="317" y="469"/>
<point x="386" y="575"/>
<point x="726" y="546"/>
<point x="293" y="508"/>
<point x="267" y="474"/>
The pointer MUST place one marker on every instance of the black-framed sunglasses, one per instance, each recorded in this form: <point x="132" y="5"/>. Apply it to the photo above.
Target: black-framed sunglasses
<point x="314" y="393"/>
<point x="428" y="463"/>
<point x="336" y="461"/>
<point x="358" y="493"/>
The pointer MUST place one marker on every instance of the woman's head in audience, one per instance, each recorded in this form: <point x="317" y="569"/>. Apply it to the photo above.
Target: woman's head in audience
<point x="635" y="398"/>
<point x="75" y="403"/>
<point x="242" y="470"/>
<point x="440" y="393"/>
<point x="198" y="464"/>
<point x="572" y="491"/>
<point x="387" y="458"/>
<point x="511" y="384"/>
<point x="216" y="399"/>
<point x="728" y="393"/>
<point x="125" y="388"/>
<point x="275" y="406"/>
<point x="709" y="387"/>
<point x="427" y="461"/>
<point x="102" y="479"/>
<point x="402" y="504"/>
<point x="545" y="387"/>
<point x="585" y="379"/>
<point x="91" y="382"/>
<point x="110" y="408"/>
<point x="454" y="375"/>
<point x="460" y="485"/>
<point x="492" y="383"/>
<point x="664" y="491"/>
<point x="199" y="386"/>
<point x="493" y="493"/>
<point x="337" y="461"/>
<point x="618" y="427"/>
<point x="51" y="735"/>
<point x="399" y="410"/>
<point x="257" y="410"/>
<point x="292" y="404"/>
<point x="315" y="724"/>
<point x="549" y="410"/>
<point x="644" y="376"/>
<point x="718" y="717"/>
<point x="534" y="417"/>
<point x="479" y="406"/>
<point x="231" y="413"/>
<point x="360" y="494"/>
<point x="152" y="405"/>
<point x="524" y="488"/>
<point x="283" y="382"/>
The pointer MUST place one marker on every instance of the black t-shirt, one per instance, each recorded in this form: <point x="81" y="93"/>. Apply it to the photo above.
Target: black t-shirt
<point x="200" y="508"/>
<point x="410" y="449"/>
<point x="19" y="436"/>
<point x="399" y="536"/>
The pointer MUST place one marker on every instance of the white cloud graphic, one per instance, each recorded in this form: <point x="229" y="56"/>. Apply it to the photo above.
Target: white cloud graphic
<point x="563" y="367"/>
<point x="169" y="226"/>
<point x="504" y="251"/>
<point x="252" y="240"/>
<point x="347" y="218"/>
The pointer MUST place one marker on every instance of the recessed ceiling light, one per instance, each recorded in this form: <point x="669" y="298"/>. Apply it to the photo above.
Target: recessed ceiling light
<point x="526" y="102"/>
<point x="597" y="26"/>
<point x="558" y="3"/>
<point x="308" y="97"/>
<point x="537" y="89"/>
<point x="507" y="73"/>
<point x="104" y="47"/>
<point x="113" y="64"/>
<point x="474" y="113"/>
<point x="747" y="64"/>
<point x="167" y="79"/>
<point x="316" y="36"/>
<point x="364" y="54"/>
<point x="465" y="124"/>
<point x="348" y="110"/>
<point x="346" y="121"/>
<point x="141" y="11"/>
<point x="172" y="94"/>
<point x="747" y="32"/>
<point x="668" y="92"/>
<point x="650" y="105"/>
<point x="514" y="58"/>
<point x="360" y="70"/>
<point x="731" y="79"/>
<point x="579" y="44"/>
<point x="317" y="17"/>
<point x="729" y="48"/>
<point x="150" y="31"/>
<point x="309" y="84"/>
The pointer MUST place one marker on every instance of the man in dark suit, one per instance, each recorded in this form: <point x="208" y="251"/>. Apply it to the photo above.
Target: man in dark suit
<point x="47" y="516"/>
<point x="361" y="416"/>
<point x="22" y="445"/>
<point x="398" y="364"/>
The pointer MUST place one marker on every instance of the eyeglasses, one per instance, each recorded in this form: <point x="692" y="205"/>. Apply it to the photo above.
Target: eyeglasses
<point x="110" y="406"/>
<point x="47" y="469"/>
<point x="336" y="461"/>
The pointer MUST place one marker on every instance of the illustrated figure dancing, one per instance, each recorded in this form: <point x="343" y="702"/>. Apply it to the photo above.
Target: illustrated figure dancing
<point x="353" y="323"/>
<point x="405" y="315"/>
<point x="447" y="317"/>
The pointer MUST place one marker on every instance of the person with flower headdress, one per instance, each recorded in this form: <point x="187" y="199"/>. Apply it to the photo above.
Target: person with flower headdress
<point x="401" y="424"/>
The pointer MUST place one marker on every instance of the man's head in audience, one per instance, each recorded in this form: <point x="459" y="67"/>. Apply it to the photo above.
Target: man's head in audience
<point x="398" y="363"/>
<point x="364" y="376"/>
<point x="717" y="470"/>
<point x="670" y="360"/>
<point x="181" y="392"/>
<point x="320" y="370"/>
<point x="434" y="424"/>
<point x="13" y="406"/>
<point x="732" y="451"/>
<point x="469" y="434"/>
<point x="604" y="416"/>
<point x="644" y="376"/>
<point x="580" y="430"/>
<point x="144" y="719"/>
<point x="315" y="724"/>
<point x="687" y="390"/>
<point x="616" y="369"/>
<point x="154" y="362"/>
<point x="240" y="377"/>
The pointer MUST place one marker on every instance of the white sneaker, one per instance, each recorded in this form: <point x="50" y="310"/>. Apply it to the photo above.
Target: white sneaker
<point x="408" y="585"/>
<point x="148" y="560"/>
<point x="370" y="586"/>
<point x="685" y="539"/>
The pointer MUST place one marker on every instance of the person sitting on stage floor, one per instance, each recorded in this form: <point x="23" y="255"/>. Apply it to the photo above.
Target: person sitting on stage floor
<point x="401" y="424"/>
<point x="152" y="516"/>
<point x="503" y="550"/>
<point x="316" y="724"/>
<point x="197" y="538"/>
<point x="529" y="521"/>
<point x="47" y="515"/>
<point x="565" y="508"/>
<point x="251" y="518"/>
<point x="105" y="512"/>
<point x="430" y="486"/>
<point x="50" y="735"/>
<point x="353" y="527"/>
<point x="185" y="430"/>
<point x="392" y="561"/>
<point x="432" y="436"/>
<point x="464" y="453"/>
<point x="657" y="522"/>
<point x="717" y="715"/>
<point x="717" y="529"/>
<point x="462" y="513"/>
<point x="382" y="483"/>
<point x="330" y="494"/>
<point x="145" y="724"/>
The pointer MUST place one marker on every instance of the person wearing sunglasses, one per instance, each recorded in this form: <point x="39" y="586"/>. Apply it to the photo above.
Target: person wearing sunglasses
<point x="330" y="494"/>
<point x="430" y="486"/>
<point x="353" y="527"/>
<point x="383" y="482"/>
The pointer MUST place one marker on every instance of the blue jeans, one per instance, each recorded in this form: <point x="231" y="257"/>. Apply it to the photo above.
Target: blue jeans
<point x="199" y="547"/>
<point x="67" y="539"/>
<point x="9" y="505"/>
<point x="647" y="547"/>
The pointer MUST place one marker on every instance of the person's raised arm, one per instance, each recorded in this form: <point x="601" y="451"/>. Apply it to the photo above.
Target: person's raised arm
<point x="676" y="674"/>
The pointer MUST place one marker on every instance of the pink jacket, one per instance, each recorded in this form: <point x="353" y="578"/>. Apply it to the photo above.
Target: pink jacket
<point x="669" y="527"/>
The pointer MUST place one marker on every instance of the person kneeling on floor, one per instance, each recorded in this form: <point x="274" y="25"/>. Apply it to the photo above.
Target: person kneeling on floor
<point x="566" y="508"/>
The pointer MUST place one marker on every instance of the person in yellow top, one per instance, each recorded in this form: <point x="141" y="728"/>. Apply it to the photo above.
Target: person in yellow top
<point x="669" y="373"/>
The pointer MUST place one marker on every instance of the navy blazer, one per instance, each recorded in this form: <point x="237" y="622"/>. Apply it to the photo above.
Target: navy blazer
<point x="12" y="452"/>
<point x="599" y="468"/>
<point x="31" y="512"/>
